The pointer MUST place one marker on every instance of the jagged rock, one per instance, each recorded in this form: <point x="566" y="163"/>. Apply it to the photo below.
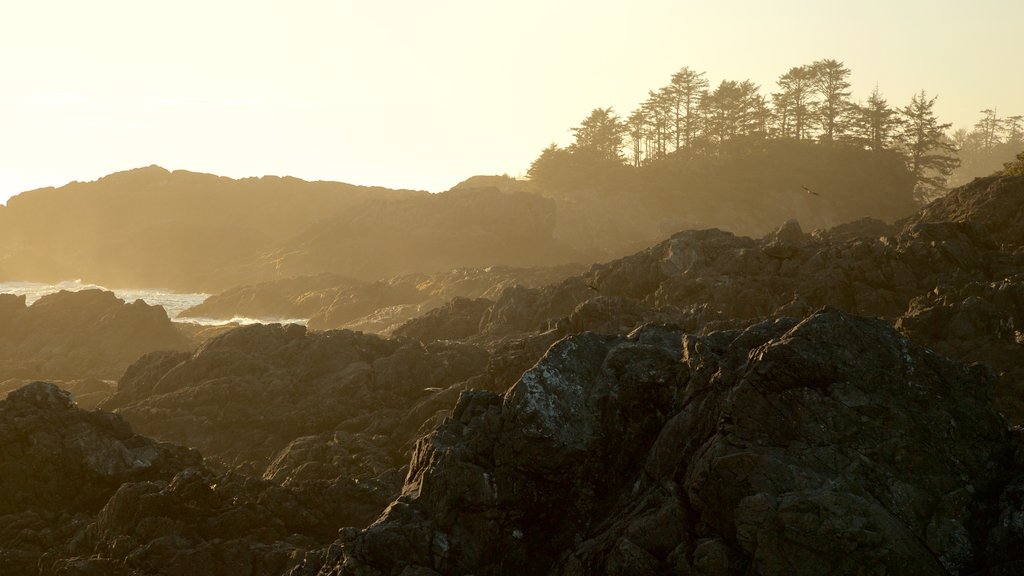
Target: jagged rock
<point x="71" y="459"/>
<point x="993" y="204"/>
<point x="977" y="322"/>
<point x="244" y="396"/>
<point x="862" y="229"/>
<point x="87" y="393"/>
<point x="786" y="241"/>
<point x="826" y="446"/>
<point x="458" y="319"/>
<point x="331" y="302"/>
<point x="90" y="334"/>
<point x="82" y="494"/>
<point x="60" y="465"/>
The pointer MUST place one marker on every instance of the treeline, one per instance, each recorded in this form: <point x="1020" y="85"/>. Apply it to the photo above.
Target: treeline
<point x="991" y="142"/>
<point x="688" y="118"/>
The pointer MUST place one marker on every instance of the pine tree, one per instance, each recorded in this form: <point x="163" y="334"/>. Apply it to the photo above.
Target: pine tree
<point x="600" y="134"/>
<point x="931" y="156"/>
<point x="686" y="89"/>
<point x="830" y="82"/>
<point x="797" y="97"/>
<point x="875" y="123"/>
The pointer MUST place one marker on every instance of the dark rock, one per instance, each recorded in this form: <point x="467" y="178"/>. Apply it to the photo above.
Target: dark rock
<point x="90" y="334"/>
<point x="245" y="396"/>
<point x="977" y="322"/>
<point x="832" y="445"/>
<point x="458" y="319"/>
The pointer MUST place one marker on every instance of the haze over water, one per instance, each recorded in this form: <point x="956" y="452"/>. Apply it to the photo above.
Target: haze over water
<point x="173" y="302"/>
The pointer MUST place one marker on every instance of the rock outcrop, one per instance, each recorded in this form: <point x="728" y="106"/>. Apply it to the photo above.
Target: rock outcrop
<point x="329" y="301"/>
<point x="82" y="494"/>
<point x="830" y="445"/>
<point x="247" y="395"/>
<point x="60" y="466"/>
<point x="79" y="335"/>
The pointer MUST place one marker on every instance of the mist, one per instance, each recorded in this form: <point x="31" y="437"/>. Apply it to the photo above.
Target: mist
<point x="331" y="290"/>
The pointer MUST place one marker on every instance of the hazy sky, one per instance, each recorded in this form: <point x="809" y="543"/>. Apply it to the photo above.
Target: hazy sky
<point x="421" y="94"/>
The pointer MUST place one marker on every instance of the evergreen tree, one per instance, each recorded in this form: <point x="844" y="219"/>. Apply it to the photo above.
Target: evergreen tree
<point x="988" y="129"/>
<point x="875" y="123"/>
<point x="636" y="129"/>
<point x="797" y="99"/>
<point x="830" y="82"/>
<point x="658" y="111"/>
<point x="734" y="109"/>
<point x="600" y="135"/>
<point x="686" y="89"/>
<point x="931" y="156"/>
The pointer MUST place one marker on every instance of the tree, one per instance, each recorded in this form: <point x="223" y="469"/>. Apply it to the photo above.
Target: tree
<point x="829" y="78"/>
<point x="1013" y="127"/>
<point x="797" y="99"/>
<point x="988" y="129"/>
<point x="1015" y="167"/>
<point x="636" y="129"/>
<point x="875" y="123"/>
<point x="686" y="89"/>
<point x="931" y="156"/>
<point x="600" y="134"/>
<point x="658" y="111"/>
<point x="734" y="109"/>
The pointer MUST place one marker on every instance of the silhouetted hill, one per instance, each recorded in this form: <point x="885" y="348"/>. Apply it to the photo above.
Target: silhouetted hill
<point x="476" y="227"/>
<point x="198" y="232"/>
<point x="151" y="227"/>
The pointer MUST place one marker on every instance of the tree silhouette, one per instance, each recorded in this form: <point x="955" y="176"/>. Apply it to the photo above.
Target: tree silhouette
<point x="636" y="129"/>
<point x="875" y="122"/>
<point x="685" y="90"/>
<point x="600" y="134"/>
<point x="931" y="157"/>
<point x="797" y="101"/>
<point x="830" y="82"/>
<point x="734" y="109"/>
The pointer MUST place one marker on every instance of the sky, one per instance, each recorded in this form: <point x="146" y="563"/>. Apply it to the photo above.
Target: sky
<point x="421" y="95"/>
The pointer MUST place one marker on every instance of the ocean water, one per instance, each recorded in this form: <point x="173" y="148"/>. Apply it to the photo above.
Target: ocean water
<point x="173" y="302"/>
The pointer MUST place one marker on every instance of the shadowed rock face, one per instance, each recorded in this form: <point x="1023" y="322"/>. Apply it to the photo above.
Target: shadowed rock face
<point x="60" y="465"/>
<point x="977" y="322"/>
<point x="75" y="335"/>
<point x="246" y="395"/>
<point x="80" y="493"/>
<point x="826" y="446"/>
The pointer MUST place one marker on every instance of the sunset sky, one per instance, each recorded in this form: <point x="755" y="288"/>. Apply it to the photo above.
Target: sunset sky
<point x="424" y="94"/>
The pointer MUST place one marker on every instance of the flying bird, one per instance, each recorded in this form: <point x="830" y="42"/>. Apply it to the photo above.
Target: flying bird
<point x="592" y="287"/>
<point x="809" y="191"/>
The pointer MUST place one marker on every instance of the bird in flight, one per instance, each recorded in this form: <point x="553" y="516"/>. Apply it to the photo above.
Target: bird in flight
<point x="592" y="287"/>
<point x="809" y="191"/>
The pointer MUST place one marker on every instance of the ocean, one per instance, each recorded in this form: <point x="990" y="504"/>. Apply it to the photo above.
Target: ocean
<point x="173" y="302"/>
